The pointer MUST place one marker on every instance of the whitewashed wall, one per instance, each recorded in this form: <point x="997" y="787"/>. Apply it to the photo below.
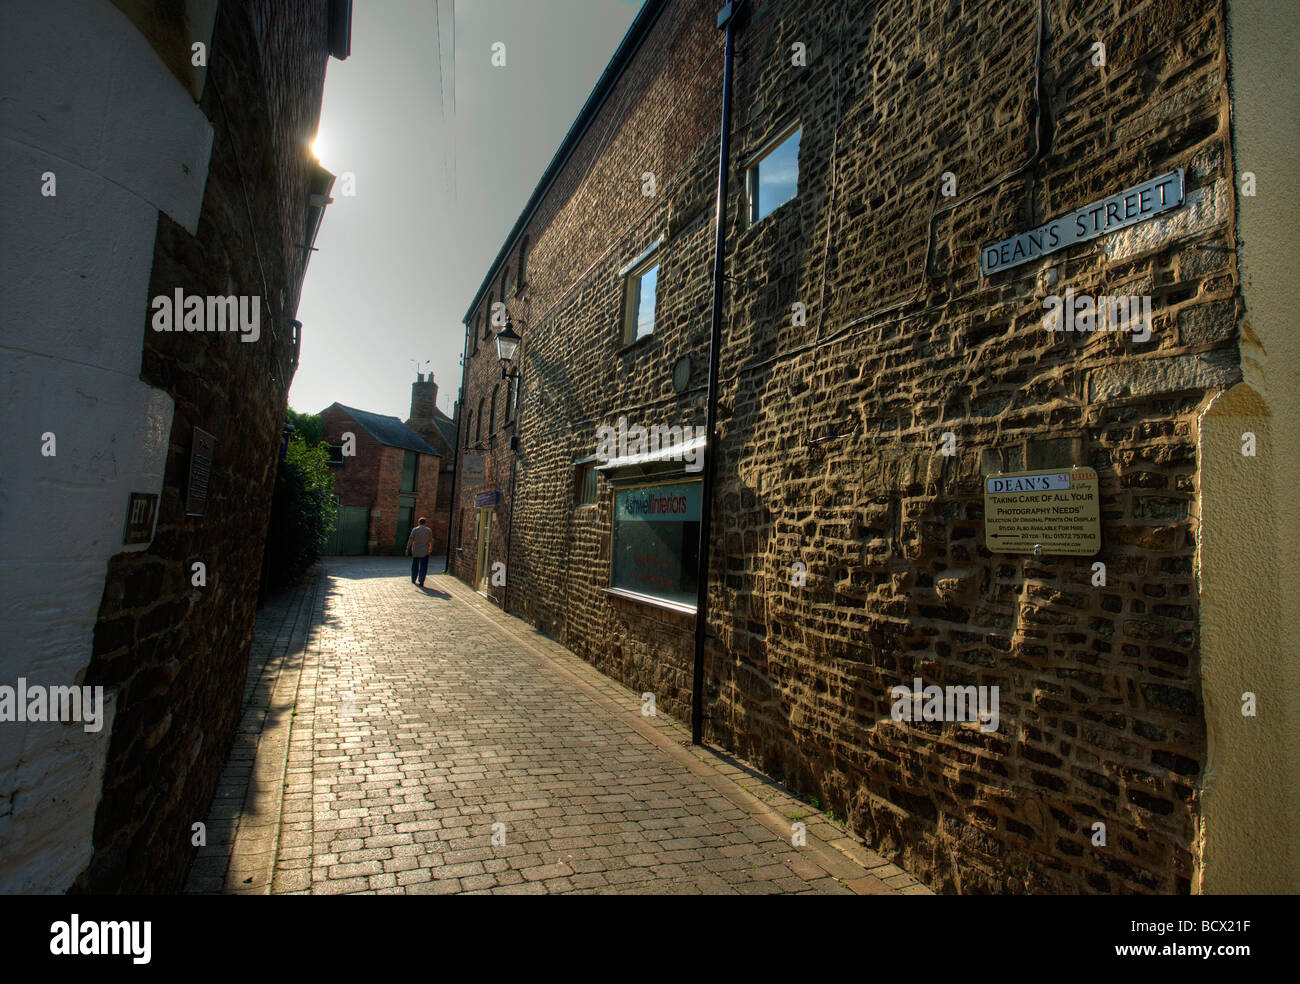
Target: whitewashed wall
<point x="82" y="95"/>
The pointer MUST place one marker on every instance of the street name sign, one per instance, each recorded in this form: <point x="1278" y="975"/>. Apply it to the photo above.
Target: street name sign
<point x="1124" y="208"/>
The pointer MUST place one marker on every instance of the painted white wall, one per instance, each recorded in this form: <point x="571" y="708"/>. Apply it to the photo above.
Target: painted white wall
<point x="1249" y="568"/>
<point x="87" y="98"/>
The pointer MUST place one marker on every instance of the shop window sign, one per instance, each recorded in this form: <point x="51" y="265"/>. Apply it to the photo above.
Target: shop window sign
<point x="657" y="540"/>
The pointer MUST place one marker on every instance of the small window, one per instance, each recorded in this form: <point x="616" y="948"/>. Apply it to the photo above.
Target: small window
<point x="639" y="287"/>
<point x="478" y="433"/>
<point x="492" y="418"/>
<point x="469" y="426"/>
<point x="585" y="484"/>
<point x="773" y="179"/>
<point x="473" y="339"/>
<point x="505" y="282"/>
<point x="336" y="455"/>
<point x="523" y="265"/>
<point x="512" y="398"/>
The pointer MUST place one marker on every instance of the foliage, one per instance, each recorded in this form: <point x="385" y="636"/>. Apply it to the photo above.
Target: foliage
<point x="303" y="515"/>
<point x="308" y="426"/>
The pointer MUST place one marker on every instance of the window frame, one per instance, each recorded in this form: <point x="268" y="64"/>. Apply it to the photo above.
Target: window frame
<point x="521" y="280"/>
<point x="753" y="177"/>
<point x="631" y="274"/>
<point x="642" y="482"/>
<point x="584" y="475"/>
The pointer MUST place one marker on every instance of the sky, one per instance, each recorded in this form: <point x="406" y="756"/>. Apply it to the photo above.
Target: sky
<point x="444" y="153"/>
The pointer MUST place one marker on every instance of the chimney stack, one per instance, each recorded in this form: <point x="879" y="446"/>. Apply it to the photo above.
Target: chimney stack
<point x="424" y="397"/>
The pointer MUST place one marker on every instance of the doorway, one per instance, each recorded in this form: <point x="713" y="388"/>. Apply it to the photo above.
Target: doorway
<point x="484" y="548"/>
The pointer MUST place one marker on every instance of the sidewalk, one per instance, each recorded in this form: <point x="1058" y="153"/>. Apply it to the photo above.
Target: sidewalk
<point x="399" y="740"/>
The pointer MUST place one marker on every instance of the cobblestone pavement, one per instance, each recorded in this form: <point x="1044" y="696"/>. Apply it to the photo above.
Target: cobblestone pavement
<point x="406" y="740"/>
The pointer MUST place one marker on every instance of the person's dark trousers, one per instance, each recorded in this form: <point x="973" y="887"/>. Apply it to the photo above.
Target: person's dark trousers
<point x="419" y="568"/>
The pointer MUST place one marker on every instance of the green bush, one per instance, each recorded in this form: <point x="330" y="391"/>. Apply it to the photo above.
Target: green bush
<point x="303" y="516"/>
<point x="308" y="426"/>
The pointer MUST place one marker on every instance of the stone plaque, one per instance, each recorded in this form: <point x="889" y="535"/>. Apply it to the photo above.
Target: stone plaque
<point x="201" y="451"/>
<point x="473" y="470"/>
<point x="1043" y="512"/>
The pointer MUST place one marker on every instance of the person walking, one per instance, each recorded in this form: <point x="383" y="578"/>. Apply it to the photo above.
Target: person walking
<point x="418" y="547"/>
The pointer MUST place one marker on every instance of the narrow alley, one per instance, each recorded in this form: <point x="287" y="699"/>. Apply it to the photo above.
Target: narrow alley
<point x="399" y="740"/>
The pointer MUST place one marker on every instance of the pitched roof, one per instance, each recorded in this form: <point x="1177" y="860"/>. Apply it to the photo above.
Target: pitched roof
<point x="446" y="427"/>
<point x="389" y="430"/>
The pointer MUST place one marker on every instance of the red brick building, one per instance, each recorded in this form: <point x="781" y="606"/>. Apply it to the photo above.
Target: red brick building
<point x="439" y="431"/>
<point x="386" y="477"/>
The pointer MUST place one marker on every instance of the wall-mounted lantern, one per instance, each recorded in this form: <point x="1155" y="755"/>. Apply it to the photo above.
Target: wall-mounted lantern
<point x="508" y="350"/>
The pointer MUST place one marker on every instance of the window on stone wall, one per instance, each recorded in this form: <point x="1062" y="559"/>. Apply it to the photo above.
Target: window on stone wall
<point x="584" y="483"/>
<point x="512" y="398"/>
<point x="478" y="434"/>
<point x="492" y="418"/>
<point x="773" y="177"/>
<point x="522" y="279"/>
<point x="640" y="282"/>
<point x="469" y="426"/>
<point x="657" y="542"/>
<point x="473" y="339"/>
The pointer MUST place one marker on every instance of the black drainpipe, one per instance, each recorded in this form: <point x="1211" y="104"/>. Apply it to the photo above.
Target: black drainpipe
<point x="727" y="18"/>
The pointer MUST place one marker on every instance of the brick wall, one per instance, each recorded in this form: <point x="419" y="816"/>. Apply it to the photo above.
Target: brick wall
<point x="424" y="412"/>
<point x="830" y="430"/>
<point x="178" y="654"/>
<point x="355" y="480"/>
<point x="373" y="478"/>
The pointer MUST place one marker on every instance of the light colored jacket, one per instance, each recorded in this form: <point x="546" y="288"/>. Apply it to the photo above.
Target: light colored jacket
<point x="420" y="542"/>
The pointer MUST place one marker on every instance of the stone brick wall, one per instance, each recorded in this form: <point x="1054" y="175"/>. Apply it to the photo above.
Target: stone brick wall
<point x="177" y="654"/>
<point x="831" y="430"/>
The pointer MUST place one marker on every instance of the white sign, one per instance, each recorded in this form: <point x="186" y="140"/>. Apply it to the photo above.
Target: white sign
<point x="1125" y="208"/>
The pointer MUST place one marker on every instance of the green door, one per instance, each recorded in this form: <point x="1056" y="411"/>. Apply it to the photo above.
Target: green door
<point x="405" y="520"/>
<point x="350" y="535"/>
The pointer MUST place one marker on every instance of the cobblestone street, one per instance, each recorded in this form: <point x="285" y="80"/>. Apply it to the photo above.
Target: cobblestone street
<point x="400" y="740"/>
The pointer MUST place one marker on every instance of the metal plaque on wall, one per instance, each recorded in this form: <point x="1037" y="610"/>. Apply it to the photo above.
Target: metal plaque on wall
<point x="1043" y="512"/>
<point x="201" y="451"/>
<point x="141" y="511"/>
